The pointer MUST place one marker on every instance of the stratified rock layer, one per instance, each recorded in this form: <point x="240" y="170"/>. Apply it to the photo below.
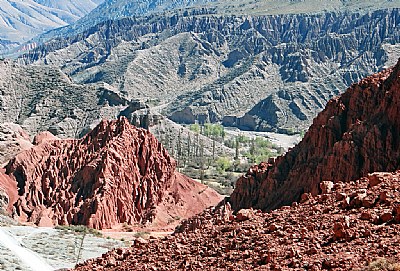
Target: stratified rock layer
<point x="115" y="174"/>
<point x="344" y="229"/>
<point x="356" y="134"/>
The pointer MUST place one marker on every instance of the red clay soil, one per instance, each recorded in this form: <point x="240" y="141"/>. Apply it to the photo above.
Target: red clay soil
<point x="345" y="228"/>
<point x="356" y="134"/>
<point x="115" y="174"/>
<point x="183" y="199"/>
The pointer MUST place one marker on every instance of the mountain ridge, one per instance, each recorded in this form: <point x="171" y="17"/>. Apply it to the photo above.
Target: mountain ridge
<point x="20" y="21"/>
<point x="217" y="69"/>
<point x="117" y="9"/>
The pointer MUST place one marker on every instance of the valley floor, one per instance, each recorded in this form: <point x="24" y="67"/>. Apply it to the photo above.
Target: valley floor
<point x="42" y="249"/>
<point x="281" y="140"/>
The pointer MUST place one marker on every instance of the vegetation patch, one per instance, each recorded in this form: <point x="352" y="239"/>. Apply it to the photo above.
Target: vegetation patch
<point x="81" y="229"/>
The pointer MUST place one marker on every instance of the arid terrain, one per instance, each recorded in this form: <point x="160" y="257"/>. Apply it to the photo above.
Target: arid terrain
<point x="32" y="248"/>
<point x="200" y="135"/>
<point x="346" y="227"/>
<point x="337" y="217"/>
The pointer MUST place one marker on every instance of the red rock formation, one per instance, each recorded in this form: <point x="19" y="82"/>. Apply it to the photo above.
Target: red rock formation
<point x="115" y="174"/>
<point x="8" y="192"/>
<point x="357" y="133"/>
<point x="318" y="234"/>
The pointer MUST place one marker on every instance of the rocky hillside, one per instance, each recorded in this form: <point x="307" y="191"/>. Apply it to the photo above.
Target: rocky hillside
<point x="115" y="174"/>
<point x="41" y="98"/>
<point x="357" y="133"/>
<point x="22" y="20"/>
<point x="332" y="219"/>
<point x="346" y="227"/>
<point x="266" y="72"/>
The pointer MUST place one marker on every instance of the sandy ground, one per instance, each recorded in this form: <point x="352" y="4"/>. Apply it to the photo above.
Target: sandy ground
<point x="129" y="236"/>
<point x="31" y="248"/>
<point x="282" y="140"/>
<point x="30" y="259"/>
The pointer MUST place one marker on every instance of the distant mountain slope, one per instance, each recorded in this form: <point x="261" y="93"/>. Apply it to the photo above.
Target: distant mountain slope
<point x="218" y="68"/>
<point x="22" y="20"/>
<point x="75" y="7"/>
<point x="41" y="98"/>
<point x="117" y="9"/>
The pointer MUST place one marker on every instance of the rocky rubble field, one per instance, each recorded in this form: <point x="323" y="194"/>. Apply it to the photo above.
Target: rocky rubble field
<point x="345" y="227"/>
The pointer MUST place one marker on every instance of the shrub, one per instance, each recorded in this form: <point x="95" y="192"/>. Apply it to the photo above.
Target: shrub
<point x="242" y="139"/>
<point x="79" y="229"/>
<point x="195" y="128"/>
<point x="223" y="163"/>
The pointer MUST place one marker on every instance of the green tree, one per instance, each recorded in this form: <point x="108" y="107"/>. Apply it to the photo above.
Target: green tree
<point x="207" y="130"/>
<point x="201" y="160"/>
<point x="242" y="138"/>
<point x="261" y="142"/>
<point x="195" y="128"/>
<point x="223" y="163"/>
<point x="237" y="147"/>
